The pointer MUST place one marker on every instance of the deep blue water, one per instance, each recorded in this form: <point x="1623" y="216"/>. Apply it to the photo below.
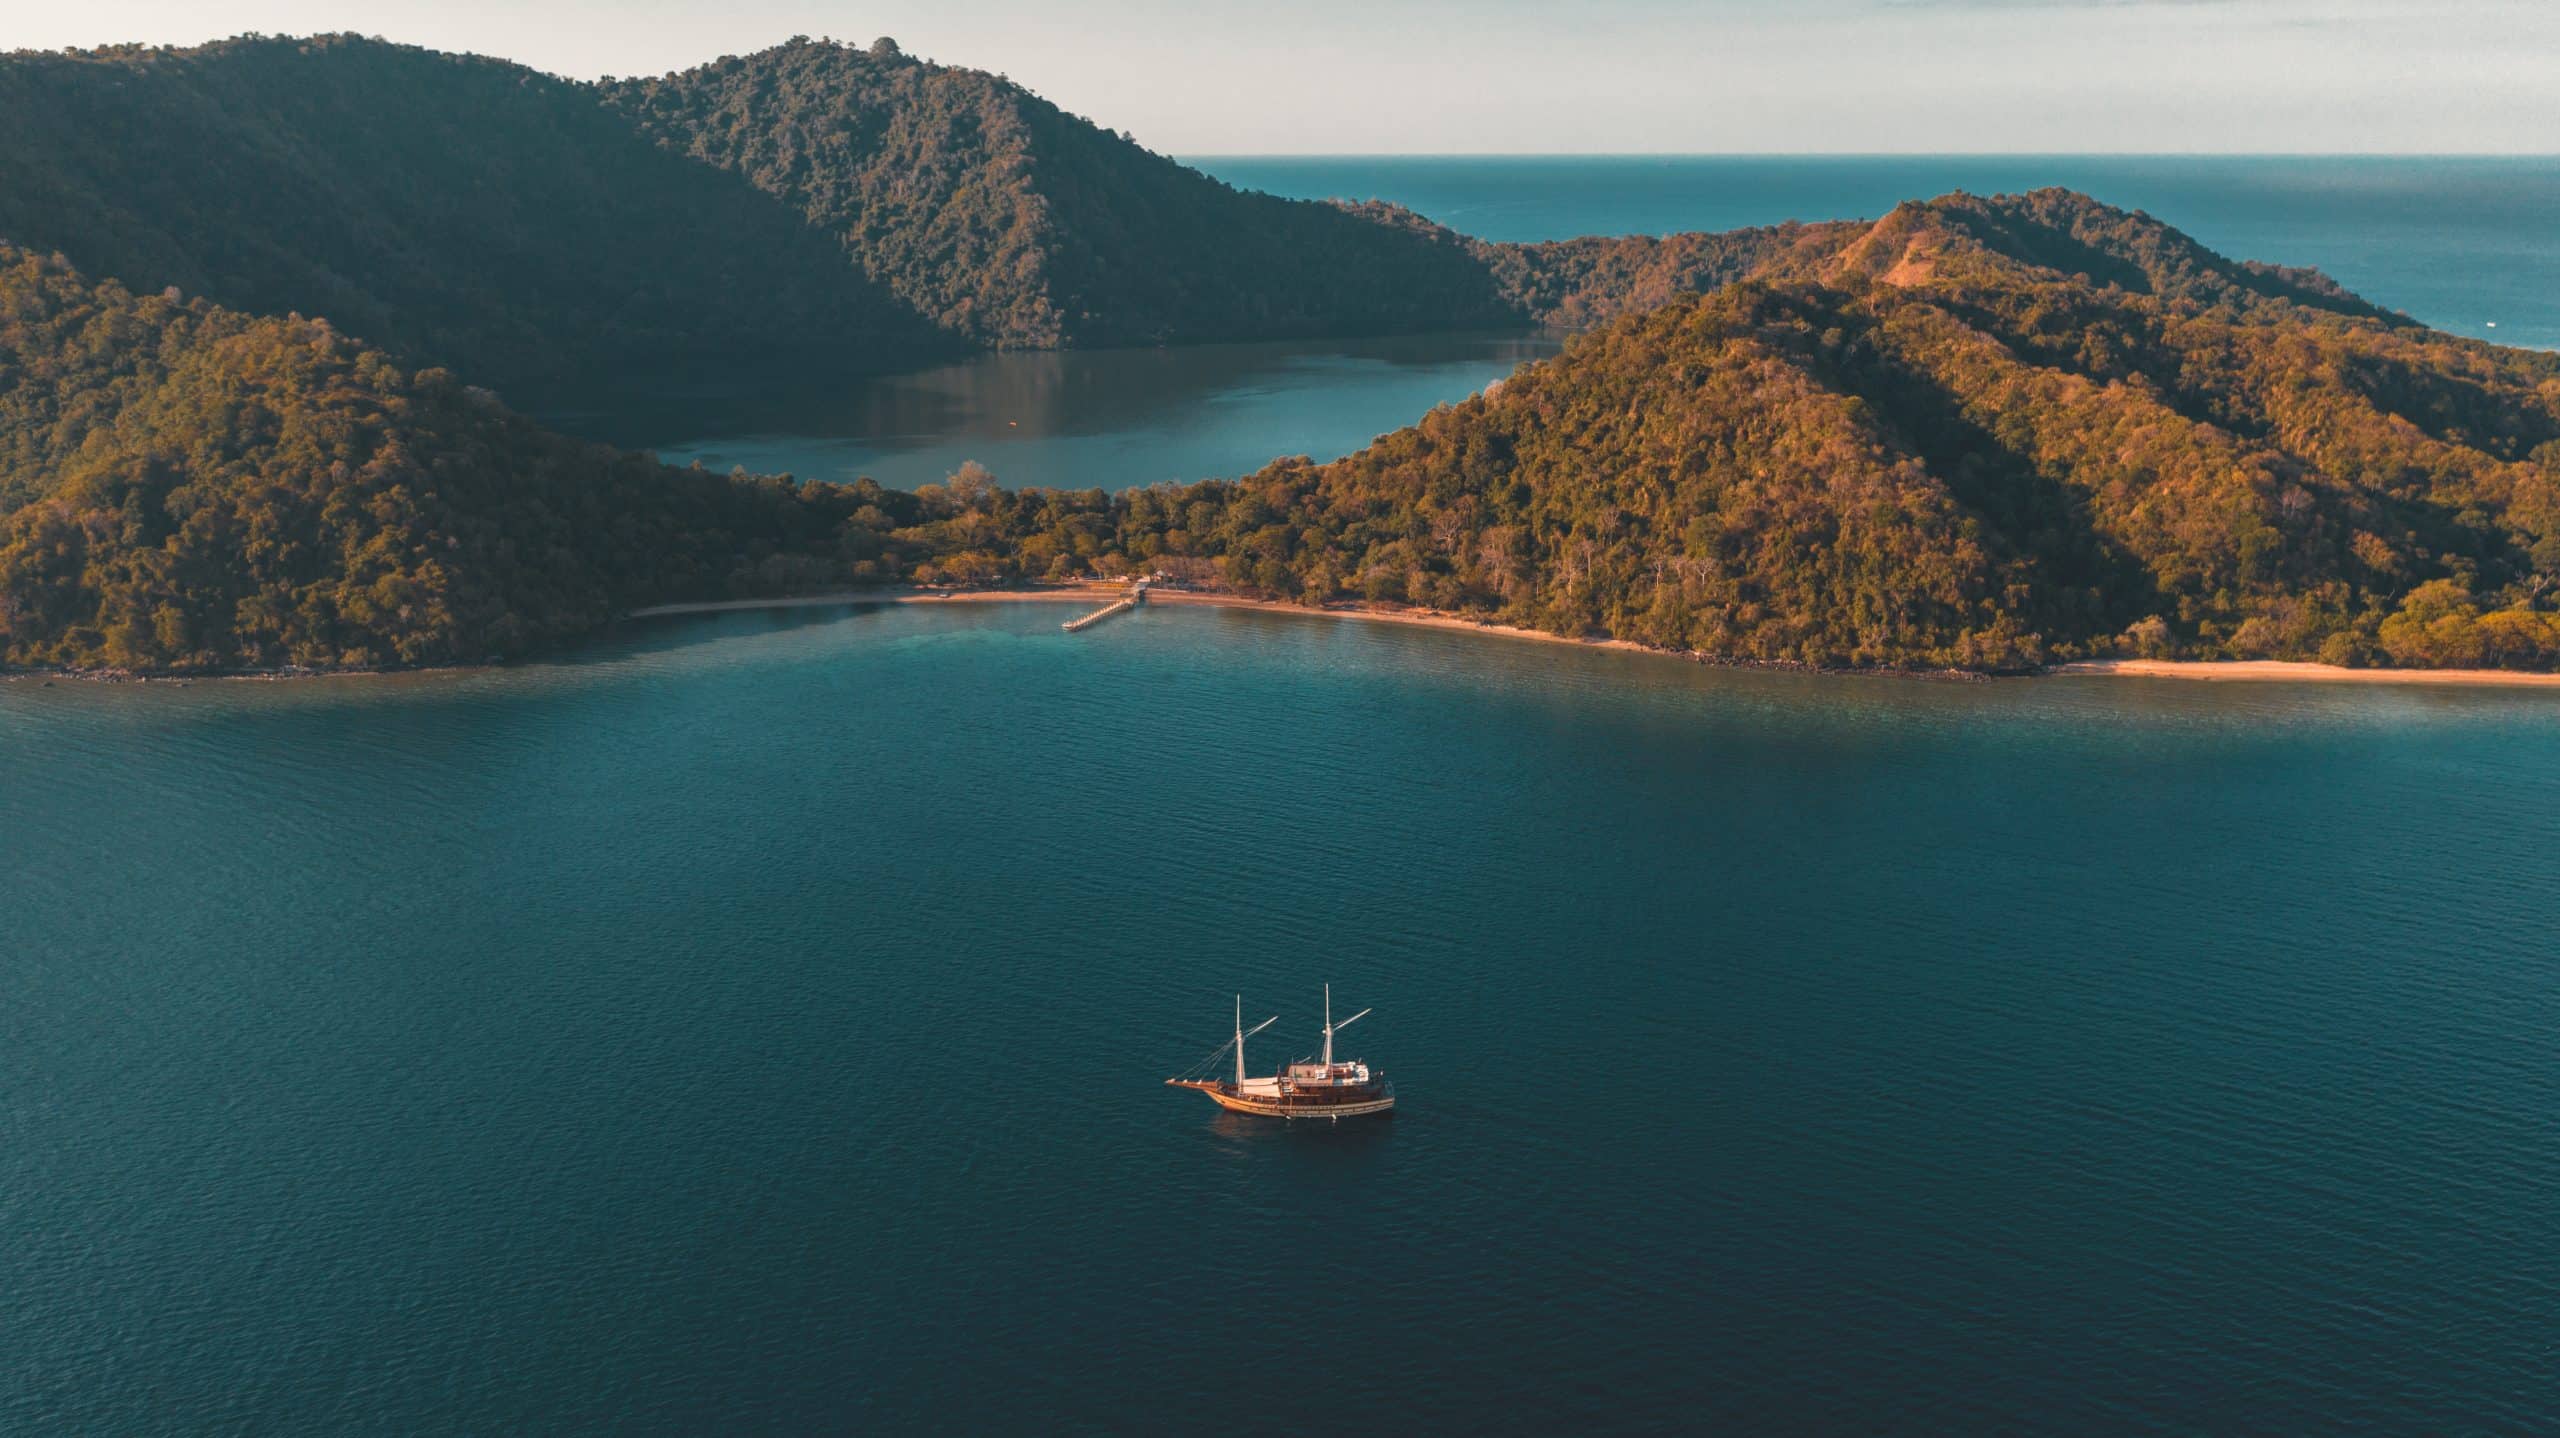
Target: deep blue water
<point x="2469" y="244"/>
<point x="754" y="1024"/>
<point x="2464" y="244"/>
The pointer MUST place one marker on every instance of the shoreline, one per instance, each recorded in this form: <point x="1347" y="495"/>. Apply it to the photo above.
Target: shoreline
<point x="2195" y="670"/>
<point x="1105" y="593"/>
<point x="2296" y="671"/>
<point x="1418" y="618"/>
<point x="2285" y="671"/>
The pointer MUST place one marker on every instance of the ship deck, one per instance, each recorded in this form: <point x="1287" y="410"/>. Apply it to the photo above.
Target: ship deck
<point x="1267" y="1105"/>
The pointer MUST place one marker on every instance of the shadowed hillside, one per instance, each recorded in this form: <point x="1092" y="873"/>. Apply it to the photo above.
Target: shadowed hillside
<point x="455" y="209"/>
<point x="1003" y="218"/>
<point x="811" y="205"/>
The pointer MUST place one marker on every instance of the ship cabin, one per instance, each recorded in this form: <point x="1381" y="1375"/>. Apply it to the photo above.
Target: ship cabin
<point x="1318" y="1085"/>
<point x="1305" y="1076"/>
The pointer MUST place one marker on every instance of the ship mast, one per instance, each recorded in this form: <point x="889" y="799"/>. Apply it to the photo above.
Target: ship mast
<point x="1243" y="1033"/>
<point x="1330" y="1026"/>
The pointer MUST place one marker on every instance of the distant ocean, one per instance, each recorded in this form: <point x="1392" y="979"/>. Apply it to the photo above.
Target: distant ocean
<point x="2468" y="244"/>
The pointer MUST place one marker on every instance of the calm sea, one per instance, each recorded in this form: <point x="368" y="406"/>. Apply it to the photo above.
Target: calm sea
<point x="1079" y="419"/>
<point x="2470" y="245"/>
<point x="755" y="1024"/>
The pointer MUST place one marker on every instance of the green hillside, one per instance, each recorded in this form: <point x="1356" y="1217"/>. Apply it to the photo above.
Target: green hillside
<point x="1978" y="433"/>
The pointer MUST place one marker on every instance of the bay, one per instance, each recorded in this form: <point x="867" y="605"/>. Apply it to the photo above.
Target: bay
<point x="756" y="1022"/>
<point x="1076" y="419"/>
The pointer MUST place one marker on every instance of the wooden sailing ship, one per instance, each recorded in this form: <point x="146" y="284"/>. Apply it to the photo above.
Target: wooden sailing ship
<point x="1321" y="1089"/>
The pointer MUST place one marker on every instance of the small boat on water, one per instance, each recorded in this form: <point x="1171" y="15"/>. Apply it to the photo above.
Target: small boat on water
<point x="1319" y="1089"/>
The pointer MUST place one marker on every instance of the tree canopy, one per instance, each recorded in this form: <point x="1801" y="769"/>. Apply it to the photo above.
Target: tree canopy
<point x="187" y="487"/>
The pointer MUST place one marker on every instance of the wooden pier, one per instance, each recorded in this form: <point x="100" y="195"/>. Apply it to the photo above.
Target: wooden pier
<point x="1136" y="596"/>
<point x="1117" y="606"/>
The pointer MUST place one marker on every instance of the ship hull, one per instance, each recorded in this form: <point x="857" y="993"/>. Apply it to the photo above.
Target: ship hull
<point x="1264" y="1106"/>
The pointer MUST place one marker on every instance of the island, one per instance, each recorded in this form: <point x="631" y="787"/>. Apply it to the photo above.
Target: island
<point x="1978" y="434"/>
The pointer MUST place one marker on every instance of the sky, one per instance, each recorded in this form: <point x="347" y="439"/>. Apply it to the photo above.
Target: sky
<point x="1224" y="77"/>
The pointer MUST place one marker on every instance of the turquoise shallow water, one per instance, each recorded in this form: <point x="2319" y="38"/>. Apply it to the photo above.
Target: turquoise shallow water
<point x="755" y="1023"/>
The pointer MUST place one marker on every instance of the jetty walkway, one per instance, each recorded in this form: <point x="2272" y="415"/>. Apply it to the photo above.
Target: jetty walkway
<point x="1136" y="596"/>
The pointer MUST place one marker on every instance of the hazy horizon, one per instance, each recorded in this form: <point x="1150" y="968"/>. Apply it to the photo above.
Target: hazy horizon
<point x="1514" y="79"/>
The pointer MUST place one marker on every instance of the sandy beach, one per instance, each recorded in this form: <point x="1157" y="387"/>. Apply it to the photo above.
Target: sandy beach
<point x="1101" y="594"/>
<point x="2299" y="672"/>
<point x="1421" y="618"/>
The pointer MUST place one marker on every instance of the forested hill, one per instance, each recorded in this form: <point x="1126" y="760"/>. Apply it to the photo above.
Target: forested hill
<point x="454" y="209"/>
<point x="1986" y="433"/>
<point x="1003" y="218"/>
<point x="2070" y="234"/>
<point x="186" y="487"/>
<point x="1583" y="281"/>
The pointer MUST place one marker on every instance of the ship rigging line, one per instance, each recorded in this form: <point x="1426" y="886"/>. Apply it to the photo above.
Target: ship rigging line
<point x="1208" y="1063"/>
<point x="1205" y="1066"/>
